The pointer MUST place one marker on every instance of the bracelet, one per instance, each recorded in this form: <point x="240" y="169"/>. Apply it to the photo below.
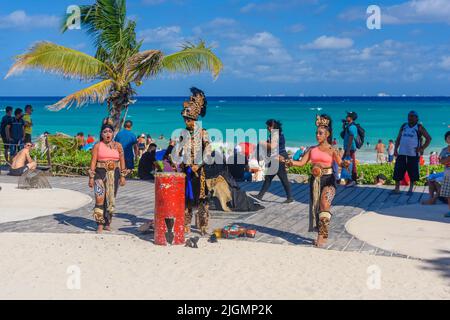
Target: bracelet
<point x="123" y="173"/>
<point x="91" y="174"/>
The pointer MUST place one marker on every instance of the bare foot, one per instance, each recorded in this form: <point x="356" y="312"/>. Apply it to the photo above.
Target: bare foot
<point x="108" y="228"/>
<point x="320" y="242"/>
<point x="100" y="228"/>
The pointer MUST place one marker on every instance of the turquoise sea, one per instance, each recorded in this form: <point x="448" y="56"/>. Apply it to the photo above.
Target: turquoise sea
<point x="380" y="116"/>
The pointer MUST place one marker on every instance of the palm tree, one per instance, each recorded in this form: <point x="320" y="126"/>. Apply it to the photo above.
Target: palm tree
<point x="118" y="65"/>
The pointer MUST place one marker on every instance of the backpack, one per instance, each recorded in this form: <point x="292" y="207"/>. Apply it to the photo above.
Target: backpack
<point x="359" y="139"/>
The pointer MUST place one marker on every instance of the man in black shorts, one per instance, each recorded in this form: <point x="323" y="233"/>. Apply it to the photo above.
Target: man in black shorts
<point x="6" y="121"/>
<point x="23" y="161"/>
<point x="408" y="148"/>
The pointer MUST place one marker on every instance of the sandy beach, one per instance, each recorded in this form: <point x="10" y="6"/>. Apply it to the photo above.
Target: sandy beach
<point x="39" y="266"/>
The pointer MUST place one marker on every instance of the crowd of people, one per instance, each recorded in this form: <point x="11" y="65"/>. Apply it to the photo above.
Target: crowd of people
<point x="114" y="156"/>
<point x="16" y="129"/>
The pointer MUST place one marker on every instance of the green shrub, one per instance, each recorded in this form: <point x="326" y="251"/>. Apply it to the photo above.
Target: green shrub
<point x="68" y="160"/>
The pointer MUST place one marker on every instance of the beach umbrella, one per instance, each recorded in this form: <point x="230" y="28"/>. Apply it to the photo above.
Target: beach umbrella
<point x="247" y="148"/>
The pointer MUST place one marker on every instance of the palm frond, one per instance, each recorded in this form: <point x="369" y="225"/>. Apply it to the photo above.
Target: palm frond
<point x="96" y="93"/>
<point x="193" y="58"/>
<point x="143" y="65"/>
<point x="53" y="58"/>
<point x="106" y="22"/>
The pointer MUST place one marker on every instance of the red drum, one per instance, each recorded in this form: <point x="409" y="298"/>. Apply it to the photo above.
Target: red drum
<point x="169" y="208"/>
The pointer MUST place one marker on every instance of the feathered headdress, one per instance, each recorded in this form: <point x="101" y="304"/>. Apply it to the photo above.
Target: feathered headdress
<point x="196" y="106"/>
<point x="322" y="122"/>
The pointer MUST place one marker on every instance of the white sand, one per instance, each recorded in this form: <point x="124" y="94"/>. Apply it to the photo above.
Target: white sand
<point x="415" y="230"/>
<point x="114" y="267"/>
<point x="19" y="204"/>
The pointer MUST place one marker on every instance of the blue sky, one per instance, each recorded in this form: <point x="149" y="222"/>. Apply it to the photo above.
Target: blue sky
<point x="284" y="47"/>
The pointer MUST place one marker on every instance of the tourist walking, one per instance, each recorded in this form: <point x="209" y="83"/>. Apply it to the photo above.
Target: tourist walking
<point x="6" y="121"/>
<point x="408" y="149"/>
<point x="391" y="150"/>
<point x="352" y="141"/>
<point x="380" y="148"/>
<point x="322" y="180"/>
<point x="28" y="123"/>
<point x="275" y="146"/>
<point x="128" y="140"/>
<point x="106" y="173"/>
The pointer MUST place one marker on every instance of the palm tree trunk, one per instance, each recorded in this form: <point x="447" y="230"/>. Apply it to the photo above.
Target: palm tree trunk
<point x="114" y="114"/>
<point x="124" y="117"/>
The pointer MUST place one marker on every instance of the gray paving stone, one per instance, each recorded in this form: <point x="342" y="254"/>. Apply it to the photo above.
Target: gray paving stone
<point x="277" y="223"/>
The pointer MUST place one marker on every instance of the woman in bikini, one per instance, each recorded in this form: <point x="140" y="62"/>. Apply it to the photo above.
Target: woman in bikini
<point x="106" y="173"/>
<point x="322" y="180"/>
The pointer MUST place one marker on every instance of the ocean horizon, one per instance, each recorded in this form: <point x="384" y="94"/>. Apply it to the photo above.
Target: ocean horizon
<point x="156" y="115"/>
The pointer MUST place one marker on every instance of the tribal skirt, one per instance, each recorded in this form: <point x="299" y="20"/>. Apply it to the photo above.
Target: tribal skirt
<point x="105" y="189"/>
<point x="317" y="186"/>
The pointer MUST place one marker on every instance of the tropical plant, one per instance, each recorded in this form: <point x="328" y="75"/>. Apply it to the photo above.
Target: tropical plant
<point x="118" y="65"/>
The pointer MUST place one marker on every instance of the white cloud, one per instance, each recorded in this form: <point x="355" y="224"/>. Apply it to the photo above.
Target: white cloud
<point x="329" y="43"/>
<point x="168" y="37"/>
<point x="445" y="63"/>
<point x="225" y="28"/>
<point x="260" y="48"/>
<point x="296" y="28"/>
<point x="275" y="5"/>
<point x="262" y="39"/>
<point x="414" y="11"/>
<point x="221" y="22"/>
<point x="260" y="56"/>
<point x="20" y="19"/>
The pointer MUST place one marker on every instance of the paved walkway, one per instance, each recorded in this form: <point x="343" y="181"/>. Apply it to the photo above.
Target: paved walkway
<point x="278" y="223"/>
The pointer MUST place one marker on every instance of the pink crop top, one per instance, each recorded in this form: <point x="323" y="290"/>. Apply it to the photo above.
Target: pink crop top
<point x="320" y="157"/>
<point x="107" y="154"/>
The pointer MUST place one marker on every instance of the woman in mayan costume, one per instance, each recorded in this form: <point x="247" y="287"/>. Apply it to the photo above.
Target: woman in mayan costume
<point x="194" y="149"/>
<point x="322" y="180"/>
<point x="106" y="173"/>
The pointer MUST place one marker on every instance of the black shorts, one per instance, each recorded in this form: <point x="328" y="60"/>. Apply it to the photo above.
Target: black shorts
<point x="405" y="164"/>
<point x="18" y="172"/>
<point x="27" y="138"/>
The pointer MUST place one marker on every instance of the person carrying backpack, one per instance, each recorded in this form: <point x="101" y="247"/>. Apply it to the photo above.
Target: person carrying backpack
<point x="408" y="149"/>
<point x="353" y="135"/>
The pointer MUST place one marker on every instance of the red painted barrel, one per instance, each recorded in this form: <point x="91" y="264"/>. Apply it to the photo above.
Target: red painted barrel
<point x="169" y="208"/>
